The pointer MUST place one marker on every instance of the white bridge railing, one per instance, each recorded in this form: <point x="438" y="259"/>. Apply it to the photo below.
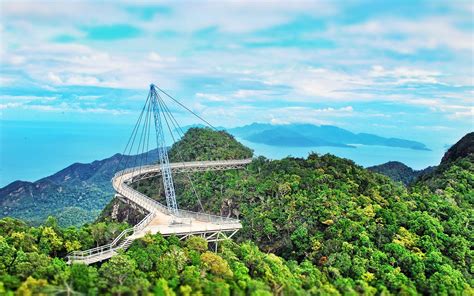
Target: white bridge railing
<point x="122" y="177"/>
<point x="114" y="245"/>
<point x="182" y="166"/>
<point x="152" y="205"/>
<point x="119" y="182"/>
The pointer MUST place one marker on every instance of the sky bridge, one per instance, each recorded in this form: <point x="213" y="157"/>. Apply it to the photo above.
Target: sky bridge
<point x="164" y="219"/>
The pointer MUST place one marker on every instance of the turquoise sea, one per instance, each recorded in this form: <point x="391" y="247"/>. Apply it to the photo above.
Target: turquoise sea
<point x="32" y="150"/>
<point x="362" y="155"/>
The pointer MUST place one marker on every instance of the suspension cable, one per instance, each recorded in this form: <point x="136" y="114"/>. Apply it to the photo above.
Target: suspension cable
<point x="179" y="103"/>
<point x="134" y="135"/>
<point x="143" y="154"/>
<point x="142" y="149"/>
<point x="131" y="136"/>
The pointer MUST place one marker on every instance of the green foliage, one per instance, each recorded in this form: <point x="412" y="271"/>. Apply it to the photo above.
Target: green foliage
<point x="197" y="243"/>
<point x="215" y="265"/>
<point x="152" y="264"/>
<point x="362" y="231"/>
<point x="120" y="275"/>
<point x="319" y="226"/>
<point x="207" y="144"/>
<point x="84" y="279"/>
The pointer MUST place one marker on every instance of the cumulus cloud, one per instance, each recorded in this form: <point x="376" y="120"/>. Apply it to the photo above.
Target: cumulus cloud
<point x="211" y="60"/>
<point x="427" y="33"/>
<point x="72" y="108"/>
<point x="10" y="105"/>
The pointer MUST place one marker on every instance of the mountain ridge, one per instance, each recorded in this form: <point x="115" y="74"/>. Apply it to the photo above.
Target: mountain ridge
<point x="310" y="135"/>
<point x="314" y="135"/>
<point x="399" y="171"/>
<point x="85" y="186"/>
<point x="464" y="147"/>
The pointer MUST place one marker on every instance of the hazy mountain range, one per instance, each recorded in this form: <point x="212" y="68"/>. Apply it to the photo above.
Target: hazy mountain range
<point x="309" y="135"/>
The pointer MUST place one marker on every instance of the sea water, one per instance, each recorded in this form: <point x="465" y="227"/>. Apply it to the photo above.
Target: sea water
<point x="33" y="150"/>
<point x="364" y="155"/>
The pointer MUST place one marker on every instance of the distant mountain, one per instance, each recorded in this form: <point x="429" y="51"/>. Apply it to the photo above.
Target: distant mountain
<point x="282" y="136"/>
<point x="458" y="160"/>
<point x="75" y="194"/>
<point x="306" y="135"/>
<point x="399" y="172"/>
<point x="462" y="148"/>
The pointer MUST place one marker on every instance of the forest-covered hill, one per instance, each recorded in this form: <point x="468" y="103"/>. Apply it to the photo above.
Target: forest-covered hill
<point x="399" y="172"/>
<point x="31" y="264"/>
<point x="461" y="149"/>
<point x="74" y="195"/>
<point x="315" y="226"/>
<point x="350" y="222"/>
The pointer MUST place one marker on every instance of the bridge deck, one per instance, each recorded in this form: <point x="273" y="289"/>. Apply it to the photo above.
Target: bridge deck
<point x="163" y="224"/>
<point x="160" y="219"/>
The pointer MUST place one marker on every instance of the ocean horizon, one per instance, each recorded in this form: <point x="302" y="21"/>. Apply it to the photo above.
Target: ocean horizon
<point x="34" y="150"/>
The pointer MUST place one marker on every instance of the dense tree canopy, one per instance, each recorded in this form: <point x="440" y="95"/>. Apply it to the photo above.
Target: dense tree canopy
<point x="32" y="263"/>
<point x="316" y="226"/>
<point x="362" y="231"/>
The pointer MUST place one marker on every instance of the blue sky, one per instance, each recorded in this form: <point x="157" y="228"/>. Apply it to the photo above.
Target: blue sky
<point x="395" y="68"/>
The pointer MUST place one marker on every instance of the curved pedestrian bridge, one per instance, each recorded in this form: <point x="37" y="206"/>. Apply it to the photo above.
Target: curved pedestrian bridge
<point x="160" y="219"/>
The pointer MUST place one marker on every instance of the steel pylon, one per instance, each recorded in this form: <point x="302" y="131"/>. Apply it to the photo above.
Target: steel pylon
<point x="163" y="153"/>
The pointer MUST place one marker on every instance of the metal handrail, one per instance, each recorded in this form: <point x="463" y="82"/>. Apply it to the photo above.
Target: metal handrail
<point x="151" y="205"/>
<point x="177" y="165"/>
<point x="111" y="246"/>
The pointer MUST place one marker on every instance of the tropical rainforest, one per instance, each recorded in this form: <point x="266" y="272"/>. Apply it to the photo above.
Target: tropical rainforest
<point x="321" y="225"/>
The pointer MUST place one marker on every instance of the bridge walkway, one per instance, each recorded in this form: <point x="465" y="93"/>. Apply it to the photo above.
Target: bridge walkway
<point x="160" y="220"/>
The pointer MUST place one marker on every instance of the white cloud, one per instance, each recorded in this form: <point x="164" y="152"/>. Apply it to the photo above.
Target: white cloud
<point x="211" y="97"/>
<point x="88" y="98"/>
<point x="27" y="98"/>
<point x="237" y="16"/>
<point x="427" y="33"/>
<point x="433" y="127"/>
<point x="278" y="121"/>
<point x="402" y="75"/>
<point x="298" y="114"/>
<point x="156" y="57"/>
<point x="54" y="78"/>
<point x="343" y="75"/>
<point x="240" y="95"/>
<point x="73" y="108"/>
<point x="83" y="80"/>
<point x="10" y="105"/>
<point x="463" y="113"/>
<point x="62" y="12"/>
<point x="72" y="64"/>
